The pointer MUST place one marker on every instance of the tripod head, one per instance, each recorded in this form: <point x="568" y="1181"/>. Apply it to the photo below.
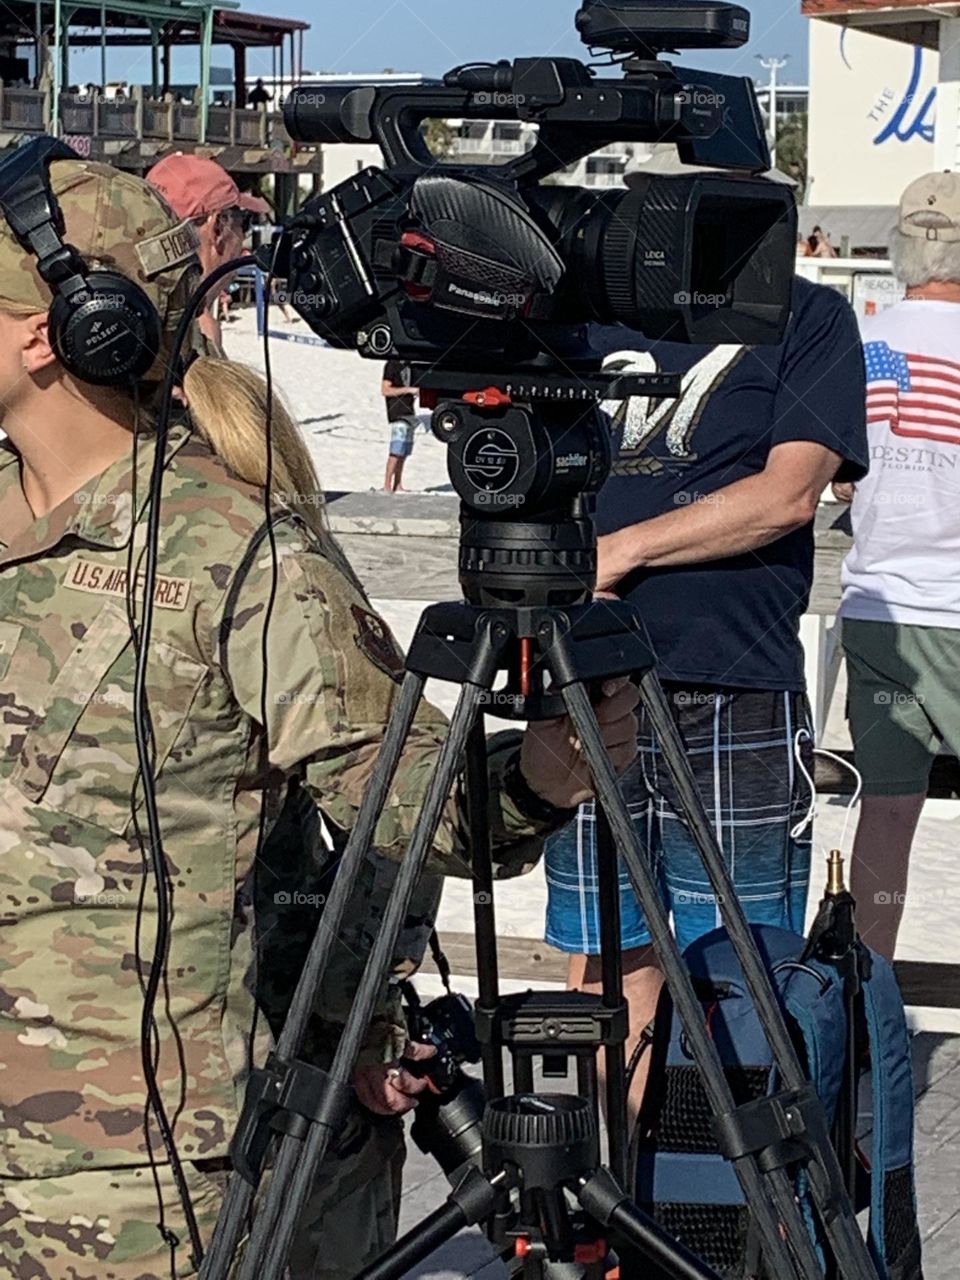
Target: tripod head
<point x="528" y="453"/>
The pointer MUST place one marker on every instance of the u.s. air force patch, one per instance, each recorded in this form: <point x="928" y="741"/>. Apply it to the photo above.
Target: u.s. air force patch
<point x="105" y="580"/>
<point x="375" y="641"/>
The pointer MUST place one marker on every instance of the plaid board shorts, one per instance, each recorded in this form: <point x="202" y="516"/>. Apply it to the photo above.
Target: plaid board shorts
<point x="741" y="745"/>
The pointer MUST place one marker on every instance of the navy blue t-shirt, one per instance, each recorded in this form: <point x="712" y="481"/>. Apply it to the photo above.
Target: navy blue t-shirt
<point x="732" y="621"/>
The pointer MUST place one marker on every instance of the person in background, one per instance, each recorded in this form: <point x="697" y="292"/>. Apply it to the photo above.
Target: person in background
<point x="259" y="96"/>
<point x="706" y="525"/>
<point x="901" y="579"/>
<point x="819" y="246"/>
<point x="199" y="189"/>
<point x="402" y="417"/>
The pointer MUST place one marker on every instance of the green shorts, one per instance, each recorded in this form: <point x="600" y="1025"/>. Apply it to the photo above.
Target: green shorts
<point x="903" y="701"/>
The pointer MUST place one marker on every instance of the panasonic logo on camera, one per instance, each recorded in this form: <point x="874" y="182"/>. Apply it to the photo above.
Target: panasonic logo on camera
<point x="485" y="299"/>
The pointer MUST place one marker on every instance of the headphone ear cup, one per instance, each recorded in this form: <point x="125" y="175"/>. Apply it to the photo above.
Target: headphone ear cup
<point x="109" y="336"/>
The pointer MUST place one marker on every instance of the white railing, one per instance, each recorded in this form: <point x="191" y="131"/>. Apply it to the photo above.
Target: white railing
<point x="491" y="146"/>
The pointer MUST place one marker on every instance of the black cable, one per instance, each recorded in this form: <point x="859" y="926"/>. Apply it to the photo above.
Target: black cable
<point x="265" y="633"/>
<point x="146" y="762"/>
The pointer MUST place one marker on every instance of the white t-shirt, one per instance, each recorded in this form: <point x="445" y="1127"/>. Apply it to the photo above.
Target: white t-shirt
<point x="905" y="561"/>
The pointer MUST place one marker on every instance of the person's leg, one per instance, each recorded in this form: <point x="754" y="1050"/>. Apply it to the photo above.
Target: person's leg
<point x="573" y="921"/>
<point x="401" y="446"/>
<point x="642" y="984"/>
<point x="404" y="433"/>
<point x="881" y="856"/>
<point x="895" y="741"/>
<point x="394" y="466"/>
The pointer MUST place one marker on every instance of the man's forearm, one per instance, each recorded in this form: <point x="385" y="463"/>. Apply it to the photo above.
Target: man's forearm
<point x="742" y="517"/>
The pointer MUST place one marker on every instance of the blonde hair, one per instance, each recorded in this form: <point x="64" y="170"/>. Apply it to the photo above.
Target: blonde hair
<point x="230" y="408"/>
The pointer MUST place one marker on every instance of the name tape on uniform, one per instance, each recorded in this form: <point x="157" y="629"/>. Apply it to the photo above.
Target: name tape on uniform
<point x="102" y="580"/>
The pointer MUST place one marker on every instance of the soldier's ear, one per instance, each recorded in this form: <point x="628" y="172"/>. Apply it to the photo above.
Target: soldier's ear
<point x="36" y="349"/>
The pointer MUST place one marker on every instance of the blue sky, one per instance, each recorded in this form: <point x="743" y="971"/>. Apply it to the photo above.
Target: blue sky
<point x="434" y="35"/>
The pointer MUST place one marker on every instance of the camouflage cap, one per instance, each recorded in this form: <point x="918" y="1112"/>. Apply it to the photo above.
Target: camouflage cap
<point x="116" y="222"/>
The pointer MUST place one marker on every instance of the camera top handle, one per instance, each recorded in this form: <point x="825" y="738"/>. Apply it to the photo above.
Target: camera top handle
<point x="555" y="93"/>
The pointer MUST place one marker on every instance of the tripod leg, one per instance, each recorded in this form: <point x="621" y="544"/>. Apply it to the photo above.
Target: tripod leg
<point x="826" y="1183"/>
<point x="668" y="953"/>
<point x="611" y="965"/>
<point x="472" y="1200"/>
<point x="298" y="1161"/>
<point x="605" y="1201"/>
<point x="484" y="912"/>
<point x="233" y="1215"/>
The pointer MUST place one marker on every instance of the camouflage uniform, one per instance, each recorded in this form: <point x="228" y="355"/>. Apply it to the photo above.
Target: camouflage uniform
<point x="77" y="1197"/>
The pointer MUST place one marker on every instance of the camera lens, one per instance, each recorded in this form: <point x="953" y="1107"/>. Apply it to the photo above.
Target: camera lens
<point x="683" y="258"/>
<point x="448" y="1126"/>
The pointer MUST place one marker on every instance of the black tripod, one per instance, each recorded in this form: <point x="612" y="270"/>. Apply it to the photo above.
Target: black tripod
<point x="544" y="1148"/>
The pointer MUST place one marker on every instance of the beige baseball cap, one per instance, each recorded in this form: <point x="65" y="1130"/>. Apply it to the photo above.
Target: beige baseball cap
<point x="930" y="207"/>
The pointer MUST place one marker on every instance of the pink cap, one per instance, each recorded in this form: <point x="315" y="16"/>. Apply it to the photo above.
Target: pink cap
<point x="194" y="187"/>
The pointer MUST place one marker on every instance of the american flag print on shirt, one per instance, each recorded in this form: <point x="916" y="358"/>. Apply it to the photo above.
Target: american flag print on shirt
<point x="915" y="395"/>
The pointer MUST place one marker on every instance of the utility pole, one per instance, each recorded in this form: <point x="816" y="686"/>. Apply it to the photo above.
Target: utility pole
<point x="773" y="65"/>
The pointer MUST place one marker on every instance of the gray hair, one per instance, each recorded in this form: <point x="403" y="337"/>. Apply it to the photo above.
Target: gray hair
<point x="916" y="261"/>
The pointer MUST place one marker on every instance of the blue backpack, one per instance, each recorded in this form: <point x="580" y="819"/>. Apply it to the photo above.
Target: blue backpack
<point x="681" y="1178"/>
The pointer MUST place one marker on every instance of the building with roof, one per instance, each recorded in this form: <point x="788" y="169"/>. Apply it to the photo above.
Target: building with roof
<point x="133" y="125"/>
<point x="884" y="108"/>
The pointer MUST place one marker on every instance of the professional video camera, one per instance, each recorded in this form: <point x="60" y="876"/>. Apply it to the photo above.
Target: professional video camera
<point x="486" y="280"/>
<point x="458" y="263"/>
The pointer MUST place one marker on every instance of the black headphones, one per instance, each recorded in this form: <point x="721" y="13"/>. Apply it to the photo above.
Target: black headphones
<point x="103" y="327"/>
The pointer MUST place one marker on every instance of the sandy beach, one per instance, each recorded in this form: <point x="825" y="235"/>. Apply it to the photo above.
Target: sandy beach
<point x="335" y="396"/>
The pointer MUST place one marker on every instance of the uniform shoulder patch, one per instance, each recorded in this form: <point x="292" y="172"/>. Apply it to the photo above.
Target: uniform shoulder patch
<point x="109" y="580"/>
<point x="375" y="641"/>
